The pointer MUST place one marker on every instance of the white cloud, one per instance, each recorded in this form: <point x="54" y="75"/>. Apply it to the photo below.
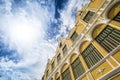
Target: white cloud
<point x="24" y="29"/>
<point x="67" y="18"/>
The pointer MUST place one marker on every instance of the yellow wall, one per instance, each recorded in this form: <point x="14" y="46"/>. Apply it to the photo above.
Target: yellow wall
<point x="113" y="12"/>
<point x="115" y="24"/>
<point x="69" y="42"/>
<point x="84" y="45"/>
<point x="57" y="75"/>
<point x="64" y="67"/>
<point x="106" y="68"/>
<point x="73" y="58"/>
<point x="79" y="27"/>
<point x="95" y="4"/>
<point x="98" y="29"/>
<point x="84" y="78"/>
<point x="78" y="16"/>
<point x="113" y="62"/>
<point x="117" y="56"/>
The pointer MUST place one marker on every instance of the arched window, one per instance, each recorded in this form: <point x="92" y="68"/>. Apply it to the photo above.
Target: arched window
<point x="74" y="36"/>
<point x="91" y="55"/>
<point x="66" y="75"/>
<point x="57" y="76"/>
<point x="109" y="38"/>
<point x="77" y="68"/>
<point x="88" y="16"/>
<point x="51" y="79"/>
<point x="117" y="17"/>
<point x="58" y="57"/>
<point x="66" y="72"/>
<point x="64" y="50"/>
<point x="114" y="12"/>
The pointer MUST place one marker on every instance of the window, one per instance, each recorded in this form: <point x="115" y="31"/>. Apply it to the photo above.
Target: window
<point x="60" y="45"/>
<point x="117" y="17"/>
<point x="64" y="49"/>
<point x="88" y="16"/>
<point x="58" y="78"/>
<point x="77" y="68"/>
<point x="66" y="75"/>
<point x="47" y="73"/>
<point x="74" y="36"/>
<point x="43" y="78"/>
<point x="109" y="38"/>
<point x="80" y="13"/>
<point x="91" y="55"/>
<point x="53" y="65"/>
<point x="59" y="57"/>
<point x="51" y="79"/>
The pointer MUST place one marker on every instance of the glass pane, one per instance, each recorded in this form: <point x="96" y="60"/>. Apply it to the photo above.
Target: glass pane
<point x="66" y="75"/>
<point x="109" y="38"/>
<point x="64" y="49"/>
<point x="92" y="55"/>
<point x="74" y="36"/>
<point x="88" y="16"/>
<point x="77" y="68"/>
<point x="117" y="17"/>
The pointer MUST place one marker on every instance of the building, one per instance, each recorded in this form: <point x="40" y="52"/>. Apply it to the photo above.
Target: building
<point x="91" y="51"/>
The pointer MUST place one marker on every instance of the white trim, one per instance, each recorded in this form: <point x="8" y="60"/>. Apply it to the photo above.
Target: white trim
<point x="68" y="62"/>
<point x="110" y="63"/>
<point x="96" y="25"/>
<point x="91" y="76"/>
<point x="114" y="76"/>
<point x="109" y="7"/>
<point x="76" y="51"/>
<point x="71" y="56"/>
<point x="87" y="77"/>
<point x="84" y="40"/>
<point x="115" y="60"/>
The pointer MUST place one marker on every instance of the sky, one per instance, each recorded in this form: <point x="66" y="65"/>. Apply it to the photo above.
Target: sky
<point x="29" y="33"/>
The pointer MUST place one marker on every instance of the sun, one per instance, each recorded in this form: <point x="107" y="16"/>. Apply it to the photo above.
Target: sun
<point x="23" y="34"/>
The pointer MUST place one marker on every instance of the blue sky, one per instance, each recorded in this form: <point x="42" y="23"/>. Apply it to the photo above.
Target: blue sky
<point x="29" y="32"/>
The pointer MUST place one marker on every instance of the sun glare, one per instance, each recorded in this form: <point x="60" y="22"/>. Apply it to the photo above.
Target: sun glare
<point x="23" y="34"/>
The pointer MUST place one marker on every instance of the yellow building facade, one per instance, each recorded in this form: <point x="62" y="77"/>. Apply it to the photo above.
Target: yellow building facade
<point x="91" y="51"/>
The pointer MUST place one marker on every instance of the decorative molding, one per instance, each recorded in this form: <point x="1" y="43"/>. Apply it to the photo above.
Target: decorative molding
<point x="77" y="51"/>
<point x="109" y="63"/>
<point x="100" y="71"/>
<point x="109" y="7"/>
<point x="115" y="60"/>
